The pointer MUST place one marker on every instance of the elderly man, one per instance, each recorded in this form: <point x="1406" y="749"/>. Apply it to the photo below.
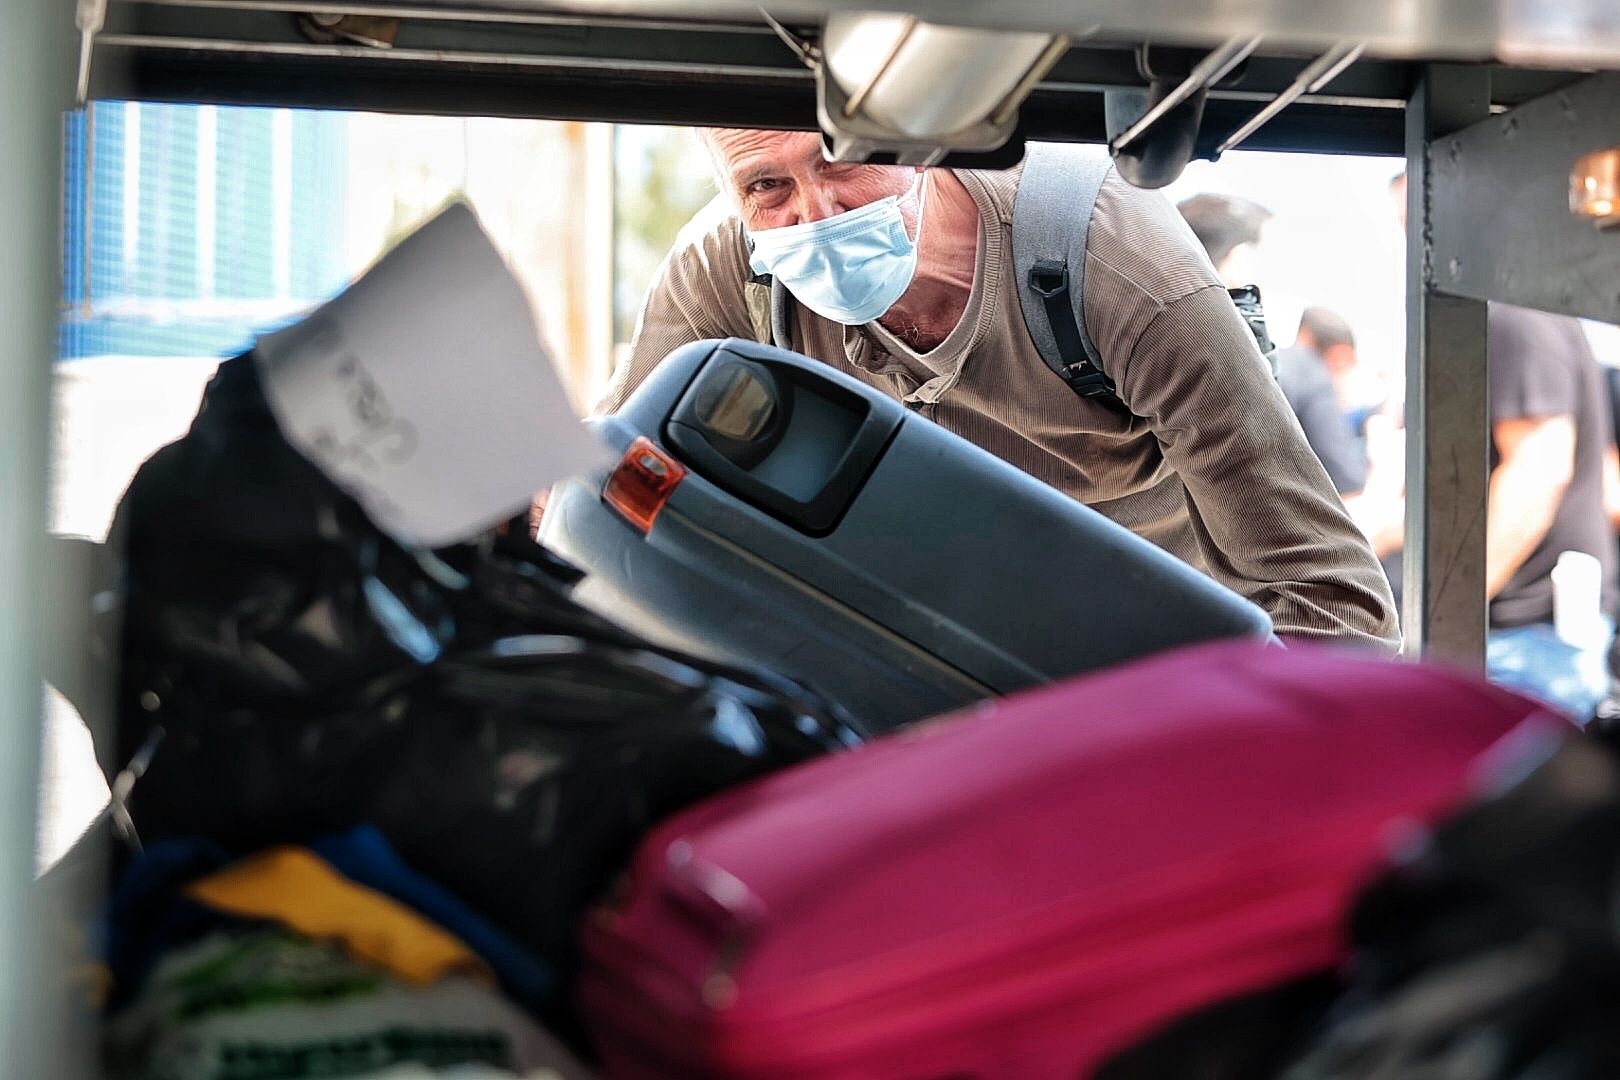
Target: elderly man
<point x="903" y="279"/>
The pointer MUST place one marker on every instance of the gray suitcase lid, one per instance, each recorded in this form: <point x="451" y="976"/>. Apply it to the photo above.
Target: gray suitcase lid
<point x="972" y="560"/>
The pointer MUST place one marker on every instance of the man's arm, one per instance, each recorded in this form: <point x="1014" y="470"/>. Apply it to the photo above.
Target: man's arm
<point x="1536" y="462"/>
<point x="1267" y="519"/>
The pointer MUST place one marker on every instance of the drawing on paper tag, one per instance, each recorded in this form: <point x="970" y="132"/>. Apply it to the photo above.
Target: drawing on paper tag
<point x="423" y="389"/>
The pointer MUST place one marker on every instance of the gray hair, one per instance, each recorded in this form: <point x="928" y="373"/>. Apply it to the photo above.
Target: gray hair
<point x="717" y="164"/>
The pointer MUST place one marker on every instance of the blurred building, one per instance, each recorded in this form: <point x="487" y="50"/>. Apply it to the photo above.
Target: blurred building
<point x="190" y="229"/>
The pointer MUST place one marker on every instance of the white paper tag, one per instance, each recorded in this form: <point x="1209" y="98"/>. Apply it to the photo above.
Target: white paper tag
<point x="424" y="392"/>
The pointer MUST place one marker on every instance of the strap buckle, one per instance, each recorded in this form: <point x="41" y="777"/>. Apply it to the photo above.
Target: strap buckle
<point x="1049" y="278"/>
<point x="1087" y="381"/>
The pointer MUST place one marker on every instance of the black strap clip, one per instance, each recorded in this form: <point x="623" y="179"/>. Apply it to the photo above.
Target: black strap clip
<point x="1049" y="279"/>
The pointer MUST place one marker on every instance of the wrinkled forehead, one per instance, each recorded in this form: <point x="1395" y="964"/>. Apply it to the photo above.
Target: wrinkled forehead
<point x="742" y="155"/>
<point x="735" y="149"/>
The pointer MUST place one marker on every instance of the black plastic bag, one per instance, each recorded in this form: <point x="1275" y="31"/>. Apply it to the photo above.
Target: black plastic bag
<point x="1493" y="953"/>
<point x="299" y="672"/>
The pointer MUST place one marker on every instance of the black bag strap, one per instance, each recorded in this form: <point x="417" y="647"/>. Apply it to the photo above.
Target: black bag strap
<point x="1247" y="299"/>
<point x="1051" y="220"/>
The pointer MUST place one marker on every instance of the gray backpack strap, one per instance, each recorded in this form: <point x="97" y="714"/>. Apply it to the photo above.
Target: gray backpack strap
<point x="1051" y="219"/>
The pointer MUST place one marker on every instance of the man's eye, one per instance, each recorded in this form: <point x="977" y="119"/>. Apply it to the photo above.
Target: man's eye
<point x="760" y="187"/>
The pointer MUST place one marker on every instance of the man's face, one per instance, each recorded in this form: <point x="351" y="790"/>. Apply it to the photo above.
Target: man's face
<point x="780" y="178"/>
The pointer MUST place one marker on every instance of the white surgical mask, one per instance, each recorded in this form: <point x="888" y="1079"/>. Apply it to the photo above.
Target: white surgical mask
<point x="849" y="268"/>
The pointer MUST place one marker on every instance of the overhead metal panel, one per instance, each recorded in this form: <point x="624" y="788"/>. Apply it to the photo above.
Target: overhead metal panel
<point x="1567" y="32"/>
<point x="477" y="58"/>
<point x="1502" y="227"/>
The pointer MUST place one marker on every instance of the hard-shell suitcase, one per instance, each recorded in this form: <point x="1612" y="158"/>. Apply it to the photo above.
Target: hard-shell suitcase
<point x="1029" y="888"/>
<point x="792" y="517"/>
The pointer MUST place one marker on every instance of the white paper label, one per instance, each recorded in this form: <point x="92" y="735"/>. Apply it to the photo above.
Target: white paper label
<point x="423" y="389"/>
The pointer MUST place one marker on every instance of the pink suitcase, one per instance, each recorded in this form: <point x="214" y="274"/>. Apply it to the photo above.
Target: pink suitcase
<point x="1024" y="889"/>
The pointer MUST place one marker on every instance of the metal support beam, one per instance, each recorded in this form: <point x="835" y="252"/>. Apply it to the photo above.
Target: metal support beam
<point x="1538" y="255"/>
<point x="1447" y="431"/>
<point x="36" y="77"/>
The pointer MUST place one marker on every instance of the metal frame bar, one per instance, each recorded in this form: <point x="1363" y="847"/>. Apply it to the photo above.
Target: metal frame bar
<point x="1323" y="70"/>
<point x="1447" y="421"/>
<point x="37" y="68"/>
<point x="450" y="12"/>
<point x="1206" y="73"/>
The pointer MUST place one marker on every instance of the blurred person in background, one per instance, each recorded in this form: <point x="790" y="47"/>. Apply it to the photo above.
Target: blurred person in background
<point x="1362" y="445"/>
<point x="1309" y="372"/>
<point x="1230" y="229"/>
<point x="1550" y="430"/>
<point x="1233" y="231"/>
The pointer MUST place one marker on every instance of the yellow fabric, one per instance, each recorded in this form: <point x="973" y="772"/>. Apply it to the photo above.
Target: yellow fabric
<point x="293" y="887"/>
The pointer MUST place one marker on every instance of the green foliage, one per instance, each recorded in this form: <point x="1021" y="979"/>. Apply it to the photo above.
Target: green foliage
<point x="661" y="179"/>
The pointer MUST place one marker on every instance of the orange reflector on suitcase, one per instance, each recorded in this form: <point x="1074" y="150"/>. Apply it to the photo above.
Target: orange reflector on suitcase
<point x="642" y="482"/>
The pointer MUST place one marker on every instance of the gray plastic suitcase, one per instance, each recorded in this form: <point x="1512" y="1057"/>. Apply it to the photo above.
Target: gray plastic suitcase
<point x="800" y="520"/>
